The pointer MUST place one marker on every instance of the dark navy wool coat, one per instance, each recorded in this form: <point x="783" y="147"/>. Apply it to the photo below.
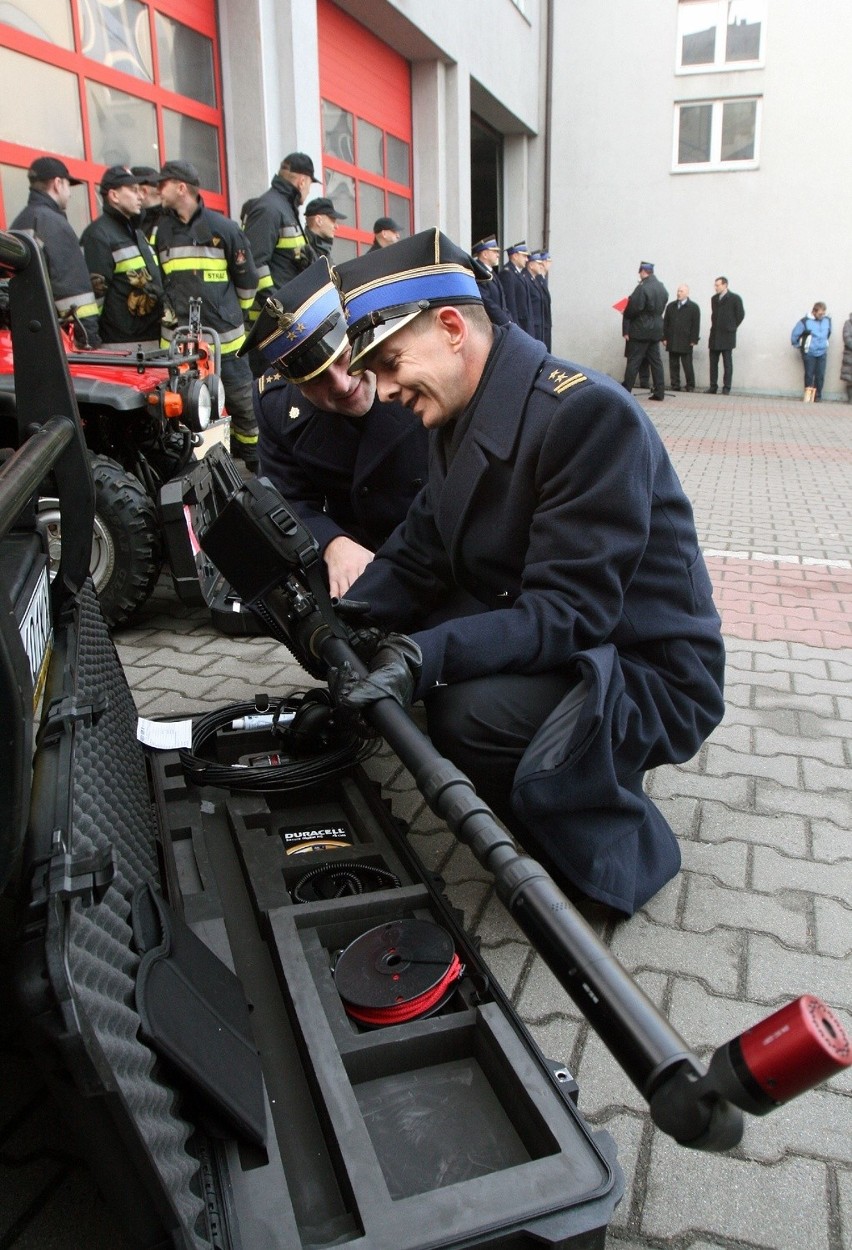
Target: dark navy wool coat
<point x="352" y="476"/>
<point x="562" y="514"/>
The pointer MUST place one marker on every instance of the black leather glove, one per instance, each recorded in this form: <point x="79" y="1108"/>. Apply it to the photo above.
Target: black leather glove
<point x="363" y="639"/>
<point x="394" y="670"/>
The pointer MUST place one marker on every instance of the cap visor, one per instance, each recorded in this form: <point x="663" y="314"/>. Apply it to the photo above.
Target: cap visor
<point x="370" y="339"/>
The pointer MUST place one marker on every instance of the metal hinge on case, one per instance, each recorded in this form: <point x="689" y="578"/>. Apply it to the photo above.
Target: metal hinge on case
<point x="67" y="711"/>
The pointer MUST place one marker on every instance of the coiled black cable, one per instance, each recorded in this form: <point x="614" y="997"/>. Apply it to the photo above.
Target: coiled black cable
<point x="296" y="760"/>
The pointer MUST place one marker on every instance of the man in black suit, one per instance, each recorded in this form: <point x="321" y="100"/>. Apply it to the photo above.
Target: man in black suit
<point x="726" y="313"/>
<point x="642" y="326"/>
<point x="681" y="324"/>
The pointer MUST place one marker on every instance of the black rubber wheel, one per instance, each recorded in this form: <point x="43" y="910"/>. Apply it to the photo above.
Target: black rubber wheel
<point x="126" y="546"/>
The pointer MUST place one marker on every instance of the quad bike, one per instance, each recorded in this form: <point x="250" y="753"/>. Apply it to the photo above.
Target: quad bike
<point x="143" y="411"/>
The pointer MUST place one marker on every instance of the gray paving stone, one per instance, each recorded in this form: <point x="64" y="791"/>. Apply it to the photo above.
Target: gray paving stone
<point x="844" y="1187"/>
<point x="833" y="928"/>
<point x="720" y="824"/>
<point x="542" y="996"/>
<point x="665" y="906"/>
<point x="774" y="871"/>
<point x="820" y="777"/>
<point x="707" y="1021"/>
<point x="818" y="1124"/>
<point x="832" y="842"/>
<point x="722" y="762"/>
<point x="670" y="782"/>
<point x="781" y="1206"/>
<point x="820" y="704"/>
<point x="776" y="973"/>
<point x="811" y="725"/>
<point x="772" y="742"/>
<point x="557" y="1039"/>
<point x="508" y="962"/>
<point x="709" y="905"/>
<point x="770" y="797"/>
<point x="726" y="861"/>
<point x="774" y="679"/>
<point x="714" y="958"/>
<point x="805" y="662"/>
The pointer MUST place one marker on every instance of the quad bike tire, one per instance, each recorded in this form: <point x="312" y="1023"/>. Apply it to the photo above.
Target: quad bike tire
<point x="126" y="544"/>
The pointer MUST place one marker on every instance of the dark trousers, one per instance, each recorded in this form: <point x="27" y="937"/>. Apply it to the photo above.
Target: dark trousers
<point x="485" y="725"/>
<point x="815" y="372"/>
<point x="238" y="382"/>
<point x="637" y="351"/>
<point x="676" y="359"/>
<point x="727" y="367"/>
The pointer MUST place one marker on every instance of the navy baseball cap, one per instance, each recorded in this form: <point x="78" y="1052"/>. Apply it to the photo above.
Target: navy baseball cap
<point x="322" y="206"/>
<point x="385" y="223"/>
<point x="44" y="168"/>
<point x="300" y="163"/>
<point x="117" y="176"/>
<point x="180" y="171"/>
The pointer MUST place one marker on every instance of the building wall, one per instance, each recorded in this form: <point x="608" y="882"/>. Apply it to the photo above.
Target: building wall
<point x="779" y="233"/>
<point x="480" y="54"/>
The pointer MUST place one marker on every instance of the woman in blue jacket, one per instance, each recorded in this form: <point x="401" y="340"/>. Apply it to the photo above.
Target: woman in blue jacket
<point x="811" y="335"/>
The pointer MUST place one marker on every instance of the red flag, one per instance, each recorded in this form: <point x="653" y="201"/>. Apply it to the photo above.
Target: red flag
<point x="621" y="305"/>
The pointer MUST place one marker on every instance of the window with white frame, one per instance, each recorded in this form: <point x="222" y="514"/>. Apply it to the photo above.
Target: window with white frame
<point x="717" y="134"/>
<point x="720" y="35"/>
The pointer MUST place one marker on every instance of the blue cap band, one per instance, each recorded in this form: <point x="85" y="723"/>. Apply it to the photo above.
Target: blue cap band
<point x="434" y="285"/>
<point x="286" y="339"/>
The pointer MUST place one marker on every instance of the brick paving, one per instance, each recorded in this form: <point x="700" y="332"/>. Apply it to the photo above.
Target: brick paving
<point x="761" y="912"/>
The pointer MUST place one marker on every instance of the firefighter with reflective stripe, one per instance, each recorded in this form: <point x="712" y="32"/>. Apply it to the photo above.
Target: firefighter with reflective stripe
<point x="278" y="242"/>
<point x="44" y="218"/>
<point x="124" y="272"/>
<point x="205" y="255"/>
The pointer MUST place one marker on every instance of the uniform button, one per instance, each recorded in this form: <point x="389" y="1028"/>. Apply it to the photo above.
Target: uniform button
<point x="418" y="481"/>
<point x="363" y="490"/>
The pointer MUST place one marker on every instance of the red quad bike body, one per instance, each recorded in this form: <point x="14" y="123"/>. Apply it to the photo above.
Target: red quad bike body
<point x="143" y="410"/>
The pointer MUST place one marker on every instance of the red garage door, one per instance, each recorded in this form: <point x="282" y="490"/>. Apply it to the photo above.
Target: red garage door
<point x="99" y="83"/>
<point x="366" y="127"/>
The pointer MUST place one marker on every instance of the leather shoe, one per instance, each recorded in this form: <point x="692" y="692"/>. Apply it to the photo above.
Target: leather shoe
<point x="726" y="390"/>
<point x="689" y="388"/>
<point x="711" y="390"/>
<point x="660" y="398"/>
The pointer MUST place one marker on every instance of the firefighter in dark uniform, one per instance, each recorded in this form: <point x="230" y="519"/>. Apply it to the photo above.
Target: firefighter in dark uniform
<point x="487" y="252"/>
<point x="44" y="218"/>
<point x="347" y="464"/>
<point x="273" y="228"/>
<point x="148" y="177"/>
<point x="516" y="286"/>
<point x="124" y="272"/>
<point x="204" y="254"/>
<point x="597" y="651"/>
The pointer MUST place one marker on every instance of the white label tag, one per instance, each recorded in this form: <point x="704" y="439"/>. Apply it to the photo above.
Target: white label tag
<point x="164" y="735"/>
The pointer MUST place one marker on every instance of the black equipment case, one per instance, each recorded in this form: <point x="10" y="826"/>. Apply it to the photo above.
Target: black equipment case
<point x="181" y="999"/>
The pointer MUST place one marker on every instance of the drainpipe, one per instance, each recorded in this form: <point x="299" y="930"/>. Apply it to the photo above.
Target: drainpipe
<point x="548" y="114"/>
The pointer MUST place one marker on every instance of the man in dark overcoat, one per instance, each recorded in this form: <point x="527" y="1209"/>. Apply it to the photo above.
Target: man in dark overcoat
<point x="642" y="326"/>
<point x="346" y="463"/>
<point x="593" y="651"/>
<point x="516" y="287"/>
<point x="681" y="327"/>
<point x="726" y="314"/>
